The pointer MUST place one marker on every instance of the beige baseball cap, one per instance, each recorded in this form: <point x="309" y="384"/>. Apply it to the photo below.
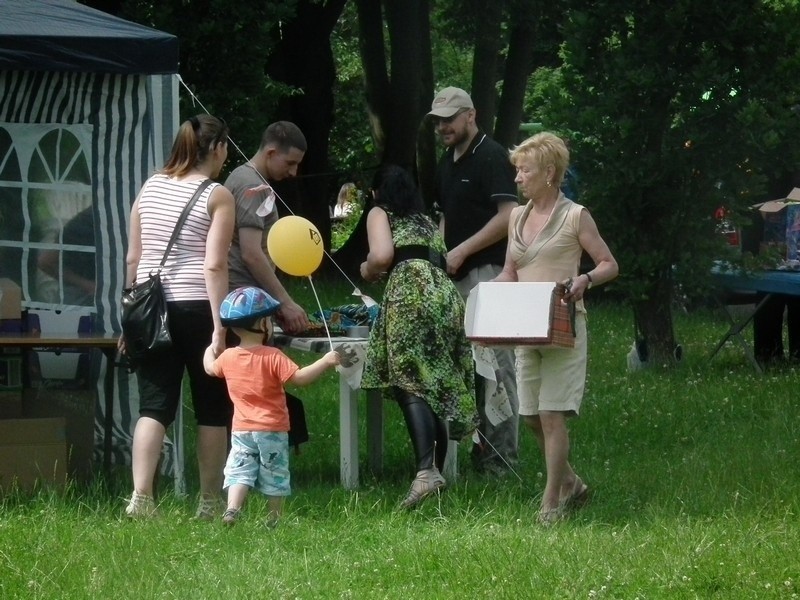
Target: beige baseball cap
<point x="449" y="101"/>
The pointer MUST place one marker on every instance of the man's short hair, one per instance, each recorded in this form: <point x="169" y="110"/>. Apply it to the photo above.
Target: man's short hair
<point x="284" y="135"/>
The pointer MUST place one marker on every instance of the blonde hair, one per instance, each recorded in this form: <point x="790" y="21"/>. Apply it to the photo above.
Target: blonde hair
<point x="543" y="149"/>
<point x="346" y="193"/>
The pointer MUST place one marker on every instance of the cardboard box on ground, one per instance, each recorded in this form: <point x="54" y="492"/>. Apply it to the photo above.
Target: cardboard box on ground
<point x="32" y="451"/>
<point x="39" y="407"/>
<point x="61" y="384"/>
<point x="76" y="407"/>
<point x="781" y="219"/>
<point x="11" y="404"/>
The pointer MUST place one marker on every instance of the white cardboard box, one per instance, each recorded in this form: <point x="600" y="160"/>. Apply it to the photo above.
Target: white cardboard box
<point x="510" y="313"/>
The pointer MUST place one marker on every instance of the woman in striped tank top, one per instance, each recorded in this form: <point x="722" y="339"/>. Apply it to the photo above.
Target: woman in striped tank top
<point x="195" y="279"/>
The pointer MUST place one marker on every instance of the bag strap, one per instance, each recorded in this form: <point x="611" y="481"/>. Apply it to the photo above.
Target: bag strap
<point x="182" y="219"/>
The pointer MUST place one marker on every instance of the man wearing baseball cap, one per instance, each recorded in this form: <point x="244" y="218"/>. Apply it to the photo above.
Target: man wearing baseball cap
<point x="475" y="192"/>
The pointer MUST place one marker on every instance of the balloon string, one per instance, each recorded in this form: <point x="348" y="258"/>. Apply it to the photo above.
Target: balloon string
<point x="195" y="99"/>
<point x="322" y="314"/>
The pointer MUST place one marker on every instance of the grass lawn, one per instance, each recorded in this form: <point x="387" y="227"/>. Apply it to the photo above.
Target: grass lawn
<point x="696" y="495"/>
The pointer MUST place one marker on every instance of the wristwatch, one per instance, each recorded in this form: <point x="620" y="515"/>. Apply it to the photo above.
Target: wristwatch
<point x="589" y="277"/>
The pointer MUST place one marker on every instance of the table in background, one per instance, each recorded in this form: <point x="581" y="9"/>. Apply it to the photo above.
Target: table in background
<point x="105" y="342"/>
<point x="348" y="410"/>
<point x="764" y="282"/>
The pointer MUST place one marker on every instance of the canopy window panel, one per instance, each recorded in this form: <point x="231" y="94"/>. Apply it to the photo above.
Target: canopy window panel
<point x="47" y="238"/>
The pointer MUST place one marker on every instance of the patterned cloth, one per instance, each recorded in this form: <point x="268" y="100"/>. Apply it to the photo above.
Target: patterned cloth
<point x="497" y="405"/>
<point x="346" y="315"/>
<point x="418" y="343"/>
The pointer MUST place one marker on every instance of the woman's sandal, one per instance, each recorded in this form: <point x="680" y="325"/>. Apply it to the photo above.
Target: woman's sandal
<point x="550" y="516"/>
<point x="578" y="497"/>
<point x="425" y="484"/>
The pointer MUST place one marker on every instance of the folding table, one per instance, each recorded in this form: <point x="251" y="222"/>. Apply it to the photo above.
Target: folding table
<point x="766" y="282"/>
<point x="348" y="409"/>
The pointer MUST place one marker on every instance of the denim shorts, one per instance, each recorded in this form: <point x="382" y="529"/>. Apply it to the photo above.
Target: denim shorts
<point x="260" y="460"/>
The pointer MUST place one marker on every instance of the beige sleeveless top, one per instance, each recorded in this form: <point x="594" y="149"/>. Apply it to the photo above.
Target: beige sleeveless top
<point x="555" y="252"/>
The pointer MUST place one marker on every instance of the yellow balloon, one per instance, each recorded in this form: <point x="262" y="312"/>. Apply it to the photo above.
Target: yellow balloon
<point x="295" y="246"/>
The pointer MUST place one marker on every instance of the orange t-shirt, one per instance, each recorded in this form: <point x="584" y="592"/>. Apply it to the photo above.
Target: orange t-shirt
<point x="255" y="378"/>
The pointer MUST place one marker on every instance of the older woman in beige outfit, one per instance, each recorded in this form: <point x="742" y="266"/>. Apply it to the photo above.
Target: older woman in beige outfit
<point x="546" y="238"/>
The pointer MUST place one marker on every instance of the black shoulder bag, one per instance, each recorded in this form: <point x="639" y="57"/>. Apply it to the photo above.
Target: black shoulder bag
<point x="145" y="325"/>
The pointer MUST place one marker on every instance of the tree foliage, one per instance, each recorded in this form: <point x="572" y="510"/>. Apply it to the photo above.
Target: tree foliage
<point x="402" y="42"/>
<point x="672" y="107"/>
<point x="675" y="109"/>
<point x="253" y="63"/>
<point x="224" y="46"/>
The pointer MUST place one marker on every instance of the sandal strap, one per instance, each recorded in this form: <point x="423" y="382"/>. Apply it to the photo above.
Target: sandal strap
<point x="422" y="487"/>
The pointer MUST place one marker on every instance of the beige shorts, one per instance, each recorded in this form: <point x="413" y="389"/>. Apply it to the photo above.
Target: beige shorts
<point x="552" y="379"/>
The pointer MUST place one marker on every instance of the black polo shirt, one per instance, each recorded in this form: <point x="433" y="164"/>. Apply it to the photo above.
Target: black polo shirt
<point x="468" y="192"/>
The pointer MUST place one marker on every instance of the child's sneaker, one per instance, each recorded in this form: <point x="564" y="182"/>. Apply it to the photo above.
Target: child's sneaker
<point x="230" y="517"/>
<point x="209" y="508"/>
<point x="141" y="506"/>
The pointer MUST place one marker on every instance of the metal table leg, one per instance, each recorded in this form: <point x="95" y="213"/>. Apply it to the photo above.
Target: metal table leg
<point x="735" y="330"/>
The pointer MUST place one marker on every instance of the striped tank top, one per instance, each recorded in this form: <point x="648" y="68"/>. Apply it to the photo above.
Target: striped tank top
<point x="160" y="204"/>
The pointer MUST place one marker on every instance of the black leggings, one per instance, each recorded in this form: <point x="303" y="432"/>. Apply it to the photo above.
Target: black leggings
<point x="427" y="430"/>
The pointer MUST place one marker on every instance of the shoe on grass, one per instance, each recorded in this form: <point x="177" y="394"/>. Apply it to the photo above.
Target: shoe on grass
<point x="427" y="482"/>
<point x="551" y="516"/>
<point x="141" y="506"/>
<point x="578" y="497"/>
<point x="230" y="517"/>
<point x="209" y="509"/>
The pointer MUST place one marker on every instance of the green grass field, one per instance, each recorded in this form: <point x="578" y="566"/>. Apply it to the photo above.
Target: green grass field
<point x="696" y="495"/>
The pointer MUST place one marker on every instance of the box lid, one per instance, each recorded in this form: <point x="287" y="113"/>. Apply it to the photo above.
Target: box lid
<point x="777" y="205"/>
<point x="502" y="312"/>
<point x="772" y="206"/>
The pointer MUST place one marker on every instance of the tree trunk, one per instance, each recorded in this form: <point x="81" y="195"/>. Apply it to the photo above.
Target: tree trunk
<point x="488" y="15"/>
<point x="304" y="59"/>
<point x="397" y="100"/>
<point x="373" y="60"/>
<point x="519" y="66"/>
<point x="406" y="25"/>
<point x="653" y="319"/>
<point x="426" y="140"/>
